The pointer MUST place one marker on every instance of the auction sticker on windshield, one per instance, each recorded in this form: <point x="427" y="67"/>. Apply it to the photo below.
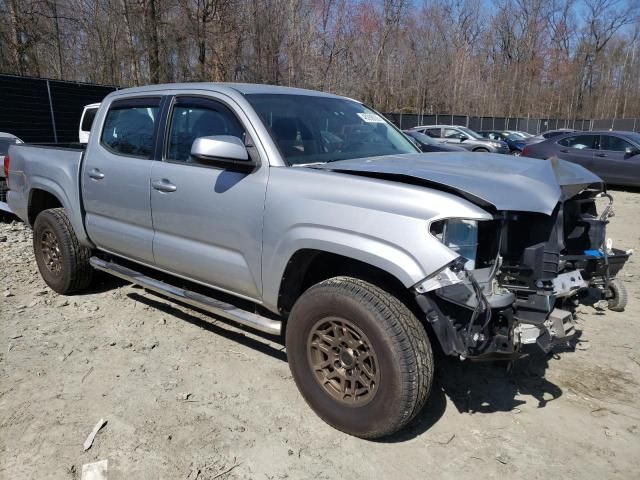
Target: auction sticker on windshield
<point x="371" y="118"/>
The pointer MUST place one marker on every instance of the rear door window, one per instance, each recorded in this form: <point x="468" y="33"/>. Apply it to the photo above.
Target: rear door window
<point x="129" y="127"/>
<point x="580" y="142"/>
<point x="433" y="132"/>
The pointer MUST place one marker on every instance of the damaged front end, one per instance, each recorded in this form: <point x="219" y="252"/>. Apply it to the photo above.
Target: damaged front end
<point x="519" y="277"/>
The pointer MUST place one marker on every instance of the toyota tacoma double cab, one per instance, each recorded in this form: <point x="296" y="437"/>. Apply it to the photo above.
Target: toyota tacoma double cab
<point x="308" y="215"/>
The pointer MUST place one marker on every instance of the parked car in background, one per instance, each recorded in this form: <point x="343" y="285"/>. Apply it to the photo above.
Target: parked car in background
<point x="463" y="137"/>
<point x="86" y="120"/>
<point x="6" y="140"/>
<point x="520" y="133"/>
<point x="613" y="156"/>
<point x="541" y="137"/>
<point x="514" y="141"/>
<point x="428" y="144"/>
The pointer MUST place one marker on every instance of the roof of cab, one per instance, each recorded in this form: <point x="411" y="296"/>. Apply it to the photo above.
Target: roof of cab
<point x="243" y="88"/>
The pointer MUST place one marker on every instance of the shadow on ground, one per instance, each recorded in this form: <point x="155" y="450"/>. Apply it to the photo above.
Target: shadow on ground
<point x="486" y="387"/>
<point x="258" y="341"/>
<point x="472" y="387"/>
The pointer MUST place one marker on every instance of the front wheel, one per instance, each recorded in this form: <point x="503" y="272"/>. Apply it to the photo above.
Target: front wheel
<point x="360" y="358"/>
<point x="62" y="261"/>
<point x="481" y="150"/>
<point x="618" y="297"/>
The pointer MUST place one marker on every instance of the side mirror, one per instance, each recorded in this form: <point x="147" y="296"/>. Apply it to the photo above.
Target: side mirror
<point x="224" y="151"/>
<point x="463" y="138"/>
<point x="631" y="151"/>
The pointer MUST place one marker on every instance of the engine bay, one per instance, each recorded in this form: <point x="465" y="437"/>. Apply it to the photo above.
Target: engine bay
<point x="521" y="276"/>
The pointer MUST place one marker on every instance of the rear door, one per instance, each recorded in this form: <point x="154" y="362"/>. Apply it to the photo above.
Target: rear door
<point x="207" y="220"/>
<point x="615" y="163"/>
<point x="579" y="149"/>
<point x="115" y="178"/>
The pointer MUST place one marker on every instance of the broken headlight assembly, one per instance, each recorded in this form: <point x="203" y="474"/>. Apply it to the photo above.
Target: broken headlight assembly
<point x="474" y="240"/>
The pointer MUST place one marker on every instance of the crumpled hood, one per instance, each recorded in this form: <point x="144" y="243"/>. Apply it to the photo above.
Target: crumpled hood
<point x="505" y="182"/>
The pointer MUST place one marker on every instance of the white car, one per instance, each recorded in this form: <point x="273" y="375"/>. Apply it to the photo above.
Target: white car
<point x="86" y="120"/>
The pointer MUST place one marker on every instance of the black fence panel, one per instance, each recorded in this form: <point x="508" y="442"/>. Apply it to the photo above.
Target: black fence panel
<point x="410" y="120"/>
<point x="629" y="124"/>
<point x="39" y="110"/>
<point x="475" y="123"/>
<point x="429" y="120"/>
<point x="602" y="124"/>
<point x="500" y="123"/>
<point x="68" y="100"/>
<point x="393" y="118"/>
<point x="459" y="120"/>
<point x="24" y="109"/>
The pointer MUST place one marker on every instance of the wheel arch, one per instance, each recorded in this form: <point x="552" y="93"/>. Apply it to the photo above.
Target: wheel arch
<point x="308" y="266"/>
<point x="44" y="194"/>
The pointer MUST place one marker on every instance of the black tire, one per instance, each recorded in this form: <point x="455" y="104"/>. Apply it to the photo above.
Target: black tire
<point x="70" y="270"/>
<point x="619" y="296"/>
<point x="403" y="354"/>
<point x="481" y="150"/>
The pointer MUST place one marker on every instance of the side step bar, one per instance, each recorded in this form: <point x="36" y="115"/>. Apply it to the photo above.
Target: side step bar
<point x="198" y="300"/>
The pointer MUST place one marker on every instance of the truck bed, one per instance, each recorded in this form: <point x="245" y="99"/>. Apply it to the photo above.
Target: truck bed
<point x="52" y="168"/>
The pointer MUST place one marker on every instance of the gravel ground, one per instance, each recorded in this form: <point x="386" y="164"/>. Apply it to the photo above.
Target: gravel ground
<point x="186" y="396"/>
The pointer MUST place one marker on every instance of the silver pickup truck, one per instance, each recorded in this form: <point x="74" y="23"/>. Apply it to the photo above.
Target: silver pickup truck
<point x="308" y="215"/>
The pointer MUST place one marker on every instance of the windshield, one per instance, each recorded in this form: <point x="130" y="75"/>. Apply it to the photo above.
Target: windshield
<point x="6" y="142"/>
<point x="310" y="129"/>
<point x="633" y="136"/>
<point x="516" y="135"/>
<point x="422" y="138"/>
<point x="471" y="133"/>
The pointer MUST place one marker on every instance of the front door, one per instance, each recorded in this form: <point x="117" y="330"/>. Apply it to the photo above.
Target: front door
<point x="207" y="220"/>
<point x="615" y="162"/>
<point x="115" y="179"/>
<point x="455" y="137"/>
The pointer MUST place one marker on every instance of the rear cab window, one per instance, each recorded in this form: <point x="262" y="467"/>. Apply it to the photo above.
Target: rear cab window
<point x="87" y="119"/>
<point x="130" y="125"/>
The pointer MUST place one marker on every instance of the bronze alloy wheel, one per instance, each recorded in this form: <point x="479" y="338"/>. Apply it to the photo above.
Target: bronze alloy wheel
<point x="51" y="252"/>
<point x="343" y="361"/>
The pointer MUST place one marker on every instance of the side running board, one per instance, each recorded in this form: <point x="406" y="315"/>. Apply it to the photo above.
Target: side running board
<point x="198" y="300"/>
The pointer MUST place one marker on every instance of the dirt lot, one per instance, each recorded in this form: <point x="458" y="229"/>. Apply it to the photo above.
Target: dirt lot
<point x="186" y="396"/>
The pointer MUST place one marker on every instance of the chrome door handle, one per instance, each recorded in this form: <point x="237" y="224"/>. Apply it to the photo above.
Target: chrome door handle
<point x="601" y="154"/>
<point x="164" y="185"/>
<point x="96" y="174"/>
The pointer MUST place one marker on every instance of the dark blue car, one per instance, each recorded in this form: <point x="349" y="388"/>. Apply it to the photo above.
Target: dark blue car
<point x="514" y="141"/>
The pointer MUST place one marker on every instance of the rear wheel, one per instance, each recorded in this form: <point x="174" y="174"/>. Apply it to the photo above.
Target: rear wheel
<point x="62" y="261"/>
<point x="360" y="358"/>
